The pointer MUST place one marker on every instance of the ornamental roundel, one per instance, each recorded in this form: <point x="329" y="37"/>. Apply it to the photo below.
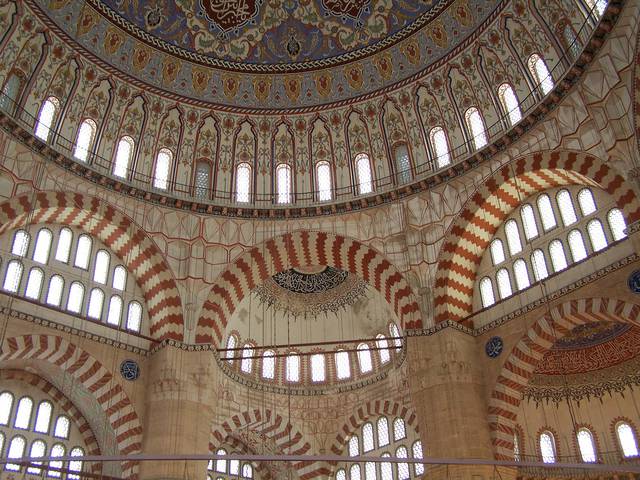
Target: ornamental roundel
<point x="230" y="15"/>
<point x="493" y="347"/>
<point x="130" y="370"/>
<point x="634" y="281"/>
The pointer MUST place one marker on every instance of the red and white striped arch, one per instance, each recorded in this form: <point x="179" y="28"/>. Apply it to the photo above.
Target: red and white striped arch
<point x="492" y="203"/>
<point x="88" y="372"/>
<point x="300" y="249"/>
<point x="120" y="234"/>
<point x="525" y="356"/>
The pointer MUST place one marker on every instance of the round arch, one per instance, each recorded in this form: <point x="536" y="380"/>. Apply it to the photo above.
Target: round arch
<point x="484" y="212"/>
<point x="92" y="376"/>
<point x="300" y="249"/>
<point x="529" y="351"/>
<point x="138" y="251"/>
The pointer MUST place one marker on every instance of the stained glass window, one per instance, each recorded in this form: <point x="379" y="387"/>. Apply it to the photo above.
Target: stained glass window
<point x="403" y="164"/>
<point x="202" y="180"/>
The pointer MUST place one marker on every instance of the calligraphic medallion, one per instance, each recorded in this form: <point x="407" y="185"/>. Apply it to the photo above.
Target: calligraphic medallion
<point x="230" y="15"/>
<point x="347" y="8"/>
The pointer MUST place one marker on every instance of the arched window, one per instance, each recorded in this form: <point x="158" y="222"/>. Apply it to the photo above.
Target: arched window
<point x="418" y="455"/>
<point x="231" y="345"/>
<point x="96" y="300"/>
<point x="243" y="182"/>
<point x="354" y="472"/>
<point x="6" y="403"/>
<point x="521" y="272"/>
<point x="571" y="41"/>
<point x="486" y="292"/>
<point x="370" y="471"/>
<point x="234" y="467"/>
<point x="221" y="464"/>
<point x="596" y="235"/>
<point x="101" y="267"/>
<point x="247" y="471"/>
<point x="38" y="449"/>
<point x="367" y="437"/>
<point x="268" y="364"/>
<point x="529" y="222"/>
<point x="317" y="368"/>
<point x="386" y="472"/>
<point x="323" y="178"/>
<point x="504" y="283"/>
<point x="576" y="245"/>
<point x="403" y="467"/>
<point x="283" y="183"/>
<point x="163" y="167"/>
<point x="440" y="146"/>
<point x="546" y="212"/>
<point x="114" y="314"/>
<point x="395" y="334"/>
<point x="364" y="358"/>
<point x="54" y="293"/>
<point x="402" y="164"/>
<point x="497" y="252"/>
<point x="202" y="179"/>
<point x="587" y="202"/>
<point x="510" y="103"/>
<point x="84" y="141"/>
<point x="83" y="252"/>
<point x="16" y="450"/>
<point x="565" y="204"/>
<point x="341" y="475"/>
<point x="45" y="119"/>
<point x="42" y="246"/>
<point x="43" y="417"/>
<point x="76" y="297"/>
<point x="124" y="153"/>
<point x="119" y="278"/>
<point x="23" y="413"/>
<point x="539" y="263"/>
<point x="598" y="7"/>
<point x="617" y="224"/>
<point x="293" y="367"/>
<point x="383" y="431"/>
<point x="34" y="284"/>
<point x="383" y="348"/>
<point x="58" y="450"/>
<point x="75" y="465"/>
<point x="61" y="430"/>
<point x="247" y="362"/>
<point x="354" y="446"/>
<point x="627" y="440"/>
<point x="343" y="369"/>
<point x="399" y="431"/>
<point x="586" y="445"/>
<point x="547" y="447"/>
<point x="13" y="276"/>
<point x="513" y="237"/>
<point x="10" y="93"/>
<point x="475" y="124"/>
<point x="20" y="244"/>
<point x="558" y="257"/>
<point x="63" y="250"/>
<point x="363" y="173"/>
<point x="134" y="316"/>
<point x="540" y="73"/>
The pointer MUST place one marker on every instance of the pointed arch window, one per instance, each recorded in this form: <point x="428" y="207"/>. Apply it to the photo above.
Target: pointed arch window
<point x="540" y="73"/>
<point x="363" y="171"/>
<point x="20" y="244"/>
<point x="521" y="272"/>
<point x="246" y="365"/>
<point x="323" y="177"/>
<point x="547" y="445"/>
<point x="402" y="164"/>
<point x="354" y="446"/>
<point x="497" y="252"/>
<point x="76" y="297"/>
<point x="403" y="467"/>
<point x="440" y="145"/>
<point x="317" y="368"/>
<point x="577" y="246"/>
<point x="567" y="211"/>
<point x="475" y="124"/>
<point x="42" y="246"/>
<point x="293" y="367"/>
<point x="231" y="345"/>
<point x="163" y="167"/>
<point x="418" y="455"/>
<point x="16" y="450"/>
<point x="61" y="430"/>
<point x="399" y="430"/>
<point x="84" y="141"/>
<point x="83" y="252"/>
<point x="63" y="250"/>
<point x="46" y="117"/>
<point x="343" y="369"/>
<point x="13" y="276"/>
<point x="202" y="179"/>
<point x="486" y="292"/>
<point x="269" y="364"/>
<point x="596" y="235"/>
<point x="513" y="237"/>
<point x="23" y="413"/>
<point x="124" y="152"/>
<point x="43" y="417"/>
<point x="367" y="437"/>
<point x="529" y="222"/>
<point x="283" y="183"/>
<point x="558" y="257"/>
<point x="587" y="202"/>
<point x="54" y="293"/>
<point x="383" y="431"/>
<point x="75" y="465"/>
<point x="6" y="403"/>
<point x="510" y="103"/>
<point x="617" y="224"/>
<point x="101" y="267"/>
<point x="114" y="314"/>
<point x="504" y="283"/>
<point x="627" y="440"/>
<point x="383" y="348"/>
<point x="547" y="214"/>
<point x="586" y="445"/>
<point x="96" y="300"/>
<point x="243" y="182"/>
<point x="38" y="449"/>
<point x="34" y="284"/>
<point x="364" y="358"/>
<point x="539" y="263"/>
<point x="134" y="316"/>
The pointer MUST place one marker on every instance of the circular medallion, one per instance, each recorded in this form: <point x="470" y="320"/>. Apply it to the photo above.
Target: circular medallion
<point x="634" y="281"/>
<point x="494" y="347"/>
<point x="129" y="370"/>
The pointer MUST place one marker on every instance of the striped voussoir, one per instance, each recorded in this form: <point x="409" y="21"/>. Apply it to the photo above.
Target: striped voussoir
<point x="129" y="242"/>
<point x="492" y="203"/>
<point x="525" y="356"/>
<point x="88" y="372"/>
<point x="64" y="404"/>
<point x="296" y="250"/>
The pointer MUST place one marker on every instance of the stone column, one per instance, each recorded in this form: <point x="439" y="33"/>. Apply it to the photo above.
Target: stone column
<point x="448" y="393"/>
<point x="179" y="412"/>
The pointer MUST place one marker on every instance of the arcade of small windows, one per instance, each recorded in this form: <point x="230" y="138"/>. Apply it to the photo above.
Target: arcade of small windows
<point x="384" y="438"/>
<point x="543" y="222"/>
<point x="62" y="269"/>
<point x="346" y="365"/>
<point x="224" y="469"/>
<point x="36" y="428"/>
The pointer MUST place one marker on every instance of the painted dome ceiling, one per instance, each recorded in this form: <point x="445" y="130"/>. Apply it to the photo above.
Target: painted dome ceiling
<point x="299" y="52"/>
